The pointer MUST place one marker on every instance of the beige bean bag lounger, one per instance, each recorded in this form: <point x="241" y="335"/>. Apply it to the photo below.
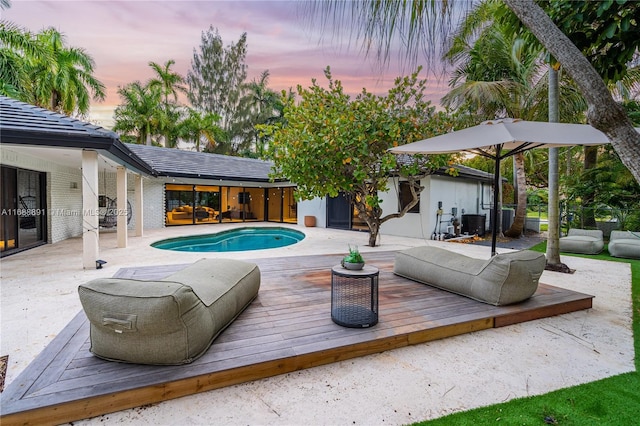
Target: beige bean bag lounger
<point x="169" y="321"/>
<point x="624" y="244"/>
<point x="583" y="241"/>
<point x="504" y="279"/>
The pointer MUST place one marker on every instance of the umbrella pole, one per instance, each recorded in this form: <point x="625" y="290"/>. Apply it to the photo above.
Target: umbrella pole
<point x="496" y="194"/>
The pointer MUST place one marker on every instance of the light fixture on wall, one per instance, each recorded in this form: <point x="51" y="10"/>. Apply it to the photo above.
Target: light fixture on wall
<point x="73" y="185"/>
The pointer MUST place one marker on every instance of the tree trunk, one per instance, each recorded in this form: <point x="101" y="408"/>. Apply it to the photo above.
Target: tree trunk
<point x="553" y="216"/>
<point x="369" y="215"/>
<point x="55" y="99"/>
<point x="553" y="236"/>
<point x="373" y="223"/>
<point x="604" y="113"/>
<point x="517" y="228"/>
<point x="497" y="216"/>
<point x="588" y="209"/>
<point x="553" y="213"/>
<point x="374" y="229"/>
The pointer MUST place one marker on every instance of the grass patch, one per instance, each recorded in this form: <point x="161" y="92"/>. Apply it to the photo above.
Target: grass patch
<point x="612" y="401"/>
<point x="543" y="215"/>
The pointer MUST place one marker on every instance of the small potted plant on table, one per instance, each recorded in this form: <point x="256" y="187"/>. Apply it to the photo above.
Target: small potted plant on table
<point x="353" y="260"/>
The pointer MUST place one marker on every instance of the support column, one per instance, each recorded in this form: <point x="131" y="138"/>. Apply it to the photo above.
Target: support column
<point x="139" y="207"/>
<point x="121" y="183"/>
<point x="90" y="233"/>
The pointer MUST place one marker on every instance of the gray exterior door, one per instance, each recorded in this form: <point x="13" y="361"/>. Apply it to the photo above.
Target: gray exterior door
<point x="339" y="212"/>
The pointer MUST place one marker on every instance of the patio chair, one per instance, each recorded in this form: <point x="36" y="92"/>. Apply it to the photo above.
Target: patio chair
<point x="582" y="241"/>
<point x="201" y="214"/>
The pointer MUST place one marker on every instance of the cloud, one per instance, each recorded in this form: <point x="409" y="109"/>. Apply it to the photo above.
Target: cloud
<point x="123" y="36"/>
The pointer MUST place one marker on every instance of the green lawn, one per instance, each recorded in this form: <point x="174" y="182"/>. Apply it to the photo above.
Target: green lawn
<point x="612" y="401"/>
<point x="537" y="214"/>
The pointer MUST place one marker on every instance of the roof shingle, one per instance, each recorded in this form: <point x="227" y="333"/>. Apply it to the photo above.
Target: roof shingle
<point x="16" y="115"/>
<point x="190" y="164"/>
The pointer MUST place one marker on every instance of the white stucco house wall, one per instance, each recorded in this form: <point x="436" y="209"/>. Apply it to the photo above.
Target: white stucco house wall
<point x="455" y="196"/>
<point x="470" y="194"/>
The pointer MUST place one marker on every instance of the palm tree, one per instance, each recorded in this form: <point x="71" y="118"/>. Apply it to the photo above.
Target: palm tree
<point x="17" y="48"/>
<point x="170" y="84"/>
<point x="40" y="69"/>
<point x="499" y="75"/>
<point x="494" y="79"/>
<point x="63" y="84"/>
<point x="197" y="126"/>
<point x="139" y="114"/>
<point x="264" y="106"/>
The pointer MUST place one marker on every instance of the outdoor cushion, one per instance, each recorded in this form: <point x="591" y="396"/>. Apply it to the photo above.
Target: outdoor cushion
<point x="168" y="321"/>
<point x="504" y="279"/>
<point x="584" y="241"/>
<point x="624" y="244"/>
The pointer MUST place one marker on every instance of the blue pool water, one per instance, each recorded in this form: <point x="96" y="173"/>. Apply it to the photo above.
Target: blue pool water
<point x="241" y="239"/>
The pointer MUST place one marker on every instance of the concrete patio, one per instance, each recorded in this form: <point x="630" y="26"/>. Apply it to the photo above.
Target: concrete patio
<point x="39" y="297"/>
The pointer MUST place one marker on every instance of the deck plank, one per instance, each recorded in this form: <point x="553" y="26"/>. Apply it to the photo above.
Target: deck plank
<point x="288" y="327"/>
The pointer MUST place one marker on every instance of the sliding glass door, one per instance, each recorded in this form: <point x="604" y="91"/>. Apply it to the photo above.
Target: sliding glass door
<point x="23" y="222"/>
<point x="188" y="204"/>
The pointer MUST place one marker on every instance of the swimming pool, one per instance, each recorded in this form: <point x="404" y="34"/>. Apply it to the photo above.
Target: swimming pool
<point x="241" y="239"/>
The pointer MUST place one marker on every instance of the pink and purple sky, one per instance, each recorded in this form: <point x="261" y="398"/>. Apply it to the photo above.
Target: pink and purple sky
<point x="124" y="36"/>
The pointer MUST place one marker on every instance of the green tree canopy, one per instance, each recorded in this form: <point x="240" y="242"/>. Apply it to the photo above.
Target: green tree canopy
<point x="216" y="83"/>
<point x="17" y="46"/>
<point x="151" y="111"/>
<point x="330" y="144"/>
<point x="169" y="83"/>
<point x="64" y="84"/>
<point x="140" y="115"/>
<point x="41" y="69"/>
<point x="262" y="105"/>
<point x="607" y="31"/>
<point x="197" y="127"/>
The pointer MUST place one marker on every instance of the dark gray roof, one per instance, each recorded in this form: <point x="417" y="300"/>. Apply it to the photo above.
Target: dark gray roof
<point x="189" y="164"/>
<point x="25" y="124"/>
<point x="469" y="173"/>
<point x="26" y="118"/>
<point x="463" y="171"/>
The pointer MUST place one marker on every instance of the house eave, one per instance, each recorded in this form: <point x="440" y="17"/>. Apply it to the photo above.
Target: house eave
<point x="109" y="146"/>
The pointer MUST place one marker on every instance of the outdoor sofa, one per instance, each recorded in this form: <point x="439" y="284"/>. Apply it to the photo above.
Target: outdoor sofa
<point x="583" y="241"/>
<point x="624" y="244"/>
<point x="169" y="321"/>
<point x="504" y="279"/>
<point x="186" y="213"/>
<point x="181" y="213"/>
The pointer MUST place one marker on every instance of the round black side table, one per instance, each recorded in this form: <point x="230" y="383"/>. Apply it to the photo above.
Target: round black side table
<point x="354" y="296"/>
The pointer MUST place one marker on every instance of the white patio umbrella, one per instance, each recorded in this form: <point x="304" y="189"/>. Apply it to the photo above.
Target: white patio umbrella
<point x="499" y="139"/>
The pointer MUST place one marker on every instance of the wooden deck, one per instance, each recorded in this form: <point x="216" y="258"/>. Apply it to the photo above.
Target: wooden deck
<point x="287" y="328"/>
